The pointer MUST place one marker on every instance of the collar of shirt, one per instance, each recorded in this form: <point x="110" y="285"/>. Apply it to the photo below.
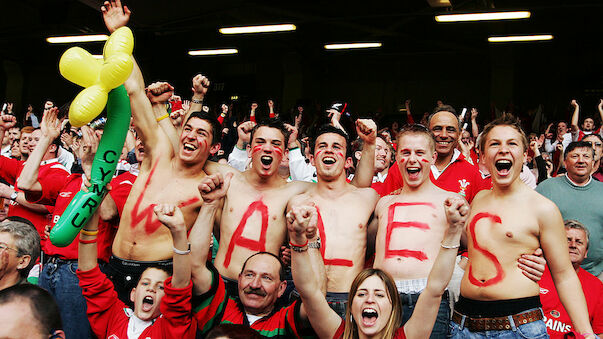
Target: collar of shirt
<point x="590" y="178"/>
<point x="45" y="162"/>
<point x="456" y="154"/>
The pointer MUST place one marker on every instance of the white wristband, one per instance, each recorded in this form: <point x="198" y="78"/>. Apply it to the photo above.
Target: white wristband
<point x="177" y="251"/>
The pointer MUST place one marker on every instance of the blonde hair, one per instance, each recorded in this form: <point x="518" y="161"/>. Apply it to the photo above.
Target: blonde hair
<point x="395" y="318"/>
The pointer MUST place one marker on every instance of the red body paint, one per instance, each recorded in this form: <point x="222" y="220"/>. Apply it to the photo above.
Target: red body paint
<point x="278" y="151"/>
<point x="500" y="274"/>
<point x="425" y="160"/>
<point x="256" y="149"/>
<point x="340" y="154"/>
<point x="391" y="225"/>
<point x="323" y="240"/>
<point x="238" y="240"/>
<point x="151" y="223"/>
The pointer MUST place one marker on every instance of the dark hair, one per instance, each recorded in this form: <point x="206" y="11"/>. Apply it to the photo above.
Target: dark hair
<point x="272" y="123"/>
<point x="43" y="306"/>
<point x="593" y="135"/>
<point x="416" y="129"/>
<point x="167" y="269"/>
<point x="216" y="129"/>
<point x="578" y="144"/>
<point x="233" y="331"/>
<point x="324" y="129"/>
<point x="507" y="119"/>
<point x="281" y="269"/>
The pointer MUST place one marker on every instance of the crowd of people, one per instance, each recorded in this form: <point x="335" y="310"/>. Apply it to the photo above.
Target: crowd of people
<point x="260" y="225"/>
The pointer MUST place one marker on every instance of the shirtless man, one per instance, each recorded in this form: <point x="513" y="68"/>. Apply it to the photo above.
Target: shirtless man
<point x="166" y="176"/>
<point x="344" y="210"/>
<point x="253" y="216"/>
<point x="506" y="222"/>
<point x="411" y="225"/>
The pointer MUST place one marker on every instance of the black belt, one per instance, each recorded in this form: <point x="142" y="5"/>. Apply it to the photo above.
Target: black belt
<point x="57" y="260"/>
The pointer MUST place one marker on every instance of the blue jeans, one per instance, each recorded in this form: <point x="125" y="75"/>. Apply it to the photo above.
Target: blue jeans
<point x="440" y="328"/>
<point x="533" y="330"/>
<point x="60" y="280"/>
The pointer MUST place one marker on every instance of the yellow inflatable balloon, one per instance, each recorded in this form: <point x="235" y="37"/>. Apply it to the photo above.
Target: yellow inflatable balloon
<point x="80" y="67"/>
<point x="98" y="77"/>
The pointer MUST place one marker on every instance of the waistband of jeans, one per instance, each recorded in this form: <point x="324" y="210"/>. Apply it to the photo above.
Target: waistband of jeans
<point x="125" y="264"/>
<point x="495" y="308"/>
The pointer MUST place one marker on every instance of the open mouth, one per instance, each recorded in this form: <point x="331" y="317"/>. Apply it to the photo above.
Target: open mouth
<point x="503" y="166"/>
<point x="266" y="160"/>
<point x="189" y="147"/>
<point x="328" y="160"/>
<point x="369" y="316"/>
<point x="147" y="303"/>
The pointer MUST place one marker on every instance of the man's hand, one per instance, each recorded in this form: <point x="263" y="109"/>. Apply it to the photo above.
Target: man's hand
<point x="224" y="109"/>
<point x="114" y="15"/>
<point x="548" y="134"/>
<point x="474" y="114"/>
<point x="285" y="255"/>
<point x="170" y="216"/>
<point x="9" y="107"/>
<point x="600" y="105"/>
<point x="292" y="142"/>
<point x="574" y="103"/>
<point x="7" y="121"/>
<point x="457" y="211"/>
<point x="366" y="130"/>
<point x="244" y="131"/>
<point x="271" y="105"/>
<point x="254" y="106"/>
<point x="534" y="148"/>
<point x="532" y="265"/>
<point x="301" y="223"/>
<point x="51" y="125"/>
<point x="298" y="119"/>
<point x="214" y="187"/>
<point x="159" y="92"/>
<point x="200" y="85"/>
<point x="87" y="149"/>
<point x="5" y="191"/>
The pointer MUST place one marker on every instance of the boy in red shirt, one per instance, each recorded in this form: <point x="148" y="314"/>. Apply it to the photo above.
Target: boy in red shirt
<point x="162" y="304"/>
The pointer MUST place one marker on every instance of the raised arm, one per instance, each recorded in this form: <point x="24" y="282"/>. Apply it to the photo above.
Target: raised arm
<point x="51" y="128"/>
<point x="301" y="224"/>
<point x="421" y="322"/>
<point x="172" y="218"/>
<point x="200" y="87"/>
<point x="159" y="93"/>
<point x="7" y="121"/>
<point x="213" y="189"/>
<point x="575" y="116"/>
<point x="474" y="125"/>
<point x="553" y="241"/>
<point x="87" y="252"/>
<point x="600" y="108"/>
<point x="367" y="131"/>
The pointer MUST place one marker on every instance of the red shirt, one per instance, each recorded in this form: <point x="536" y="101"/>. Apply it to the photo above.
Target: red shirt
<point x="10" y="169"/>
<point x="459" y="177"/>
<point x="109" y="317"/>
<point x="339" y="334"/>
<point x="556" y="318"/>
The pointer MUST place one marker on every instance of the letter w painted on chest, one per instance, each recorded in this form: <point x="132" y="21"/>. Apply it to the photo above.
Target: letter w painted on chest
<point x="323" y="240"/>
<point x="151" y="223"/>
<point x="237" y="238"/>
<point x="391" y="225"/>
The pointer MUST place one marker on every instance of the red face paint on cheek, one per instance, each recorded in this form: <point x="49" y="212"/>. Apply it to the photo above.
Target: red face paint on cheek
<point x="392" y="224"/>
<point x="425" y="160"/>
<point x="278" y="151"/>
<point x="256" y="149"/>
<point x="237" y="238"/>
<point x="318" y="153"/>
<point x="402" y="160"/>
<point x="340" y="154"/>
<point x="500" y="273"/>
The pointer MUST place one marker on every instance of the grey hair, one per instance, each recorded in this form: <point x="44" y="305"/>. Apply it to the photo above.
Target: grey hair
<point x="27" y="241"/>
<point x="575" y="224"/>
<point x="444" y="108"/>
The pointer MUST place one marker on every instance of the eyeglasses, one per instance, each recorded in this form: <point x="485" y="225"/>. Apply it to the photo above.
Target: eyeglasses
<point x="4" y="246"/>
<point x="591" y="143"/>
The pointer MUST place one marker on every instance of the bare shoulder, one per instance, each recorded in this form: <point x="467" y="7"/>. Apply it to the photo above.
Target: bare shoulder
<point x="544" y="208"/>
<point x="299" y="199"/>
<point x="385" y="201"/>
<point x="368" y="194"/>
<point x="480" y="196"/>
<point x="299" y="187"/>
<point x="212" y="167"/>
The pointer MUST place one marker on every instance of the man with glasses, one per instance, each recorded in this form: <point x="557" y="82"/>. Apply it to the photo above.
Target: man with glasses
<point x="19" y="250"/>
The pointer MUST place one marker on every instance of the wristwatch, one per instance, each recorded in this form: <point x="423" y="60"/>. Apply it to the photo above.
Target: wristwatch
<point x="315" y="244"/>
<point x="13" y="196"/>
